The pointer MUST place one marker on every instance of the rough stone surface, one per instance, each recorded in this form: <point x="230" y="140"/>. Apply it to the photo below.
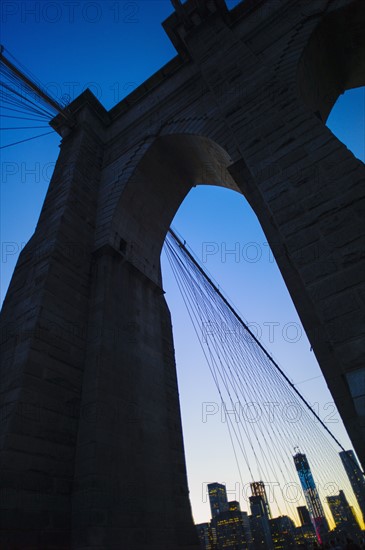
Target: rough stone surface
<point x="91" y="445"/>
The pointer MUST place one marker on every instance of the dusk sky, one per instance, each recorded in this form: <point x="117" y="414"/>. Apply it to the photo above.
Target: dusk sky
<point x="112" y="47"/>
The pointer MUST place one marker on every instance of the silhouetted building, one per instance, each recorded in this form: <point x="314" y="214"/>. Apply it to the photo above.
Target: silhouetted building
<point x="259" y="523"/>
<point x="283" y="533"/>
<point x="234" y="505"/>
<point x="304" y="516"/>
<point x="343" y="514"/>
<point x="355" y="517"/>
<point x="230" y="528"/>
<point x="305" y="536"/>
<point x="258" y="489"/>
<point x="356" y="478"/>
<point x="247" y="529"/>
<point x="217" y="498"/>
<point x="311" y="496"/>
<point x="207" y="536"/>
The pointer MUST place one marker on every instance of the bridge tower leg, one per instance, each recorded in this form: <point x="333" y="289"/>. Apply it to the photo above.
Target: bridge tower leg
<point x="91" y="446"/>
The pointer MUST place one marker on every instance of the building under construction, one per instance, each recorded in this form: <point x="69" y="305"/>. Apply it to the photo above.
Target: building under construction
<point x="311" y="496"/>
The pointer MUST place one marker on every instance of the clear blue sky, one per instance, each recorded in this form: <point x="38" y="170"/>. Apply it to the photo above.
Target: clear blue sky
<point x="112" y="47"/>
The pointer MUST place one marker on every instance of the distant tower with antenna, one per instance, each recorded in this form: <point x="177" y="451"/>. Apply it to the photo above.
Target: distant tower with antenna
<point x="314" y="504"/>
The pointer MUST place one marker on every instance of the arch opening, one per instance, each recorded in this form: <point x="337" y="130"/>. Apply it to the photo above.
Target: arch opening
<point x="250" y="276"/>
<point x="171" y="168"/>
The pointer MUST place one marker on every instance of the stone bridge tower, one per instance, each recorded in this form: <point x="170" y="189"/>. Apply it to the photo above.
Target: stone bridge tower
<point x="91" y="443"/>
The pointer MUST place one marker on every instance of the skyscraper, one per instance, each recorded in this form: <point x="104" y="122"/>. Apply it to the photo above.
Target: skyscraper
<point x="305" y="534"/>
<point x="343" y="514"/>
<point x="304" y="516"/>
<point x="283" y="533"/>
<point x="206" y="536"/>
<point x="311" y="496"/>
<point x="260" y="527"/>
<point x="217" y="498"/>
<point x="230" y="528"/>
<point x="247" y="529"/>
<point x="258" y="489"/>
<point x="356" y="478"/>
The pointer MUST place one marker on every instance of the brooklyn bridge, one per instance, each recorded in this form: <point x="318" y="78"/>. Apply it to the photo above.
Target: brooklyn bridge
<point x="92" y="452"/>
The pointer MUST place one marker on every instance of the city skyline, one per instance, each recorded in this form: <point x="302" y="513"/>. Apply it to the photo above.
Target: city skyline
<point x="218" y="494"/>
<point x="297" y="518"/>
<point x="263" y="530"/>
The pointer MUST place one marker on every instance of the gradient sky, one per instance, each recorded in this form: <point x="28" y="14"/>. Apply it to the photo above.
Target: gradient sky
<point x="112" y="47"/>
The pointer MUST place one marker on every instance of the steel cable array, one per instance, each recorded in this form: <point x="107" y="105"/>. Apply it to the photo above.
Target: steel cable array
<point x="19" y="101"/>
<point x="267" y="417"/>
